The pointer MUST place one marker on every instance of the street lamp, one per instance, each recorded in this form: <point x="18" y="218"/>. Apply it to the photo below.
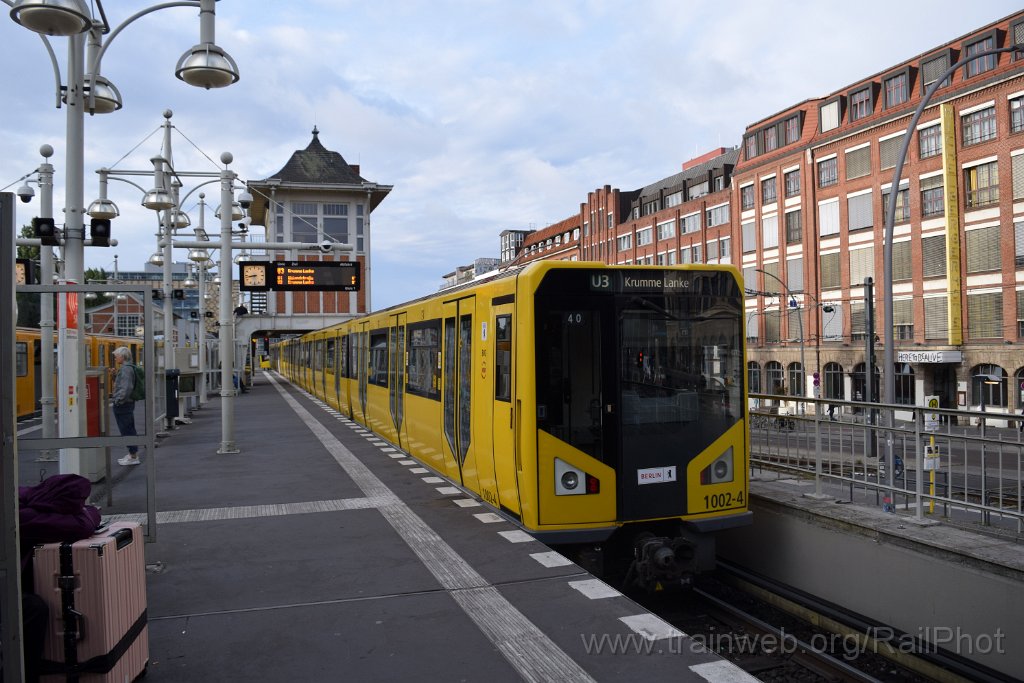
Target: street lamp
<point x="204" y="65"/>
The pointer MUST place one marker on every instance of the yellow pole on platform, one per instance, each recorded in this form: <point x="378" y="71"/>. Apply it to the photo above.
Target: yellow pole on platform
<point x="931" y="483"/>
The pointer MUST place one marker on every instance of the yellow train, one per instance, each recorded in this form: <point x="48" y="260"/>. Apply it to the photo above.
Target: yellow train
<point x="590" y="403"/>
<point x="28" y="363"/>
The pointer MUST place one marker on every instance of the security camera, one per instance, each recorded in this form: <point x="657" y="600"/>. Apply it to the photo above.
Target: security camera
<point x="26" y="193"/>
<point x="245" y="200"/>
<point x="326" y="246"/>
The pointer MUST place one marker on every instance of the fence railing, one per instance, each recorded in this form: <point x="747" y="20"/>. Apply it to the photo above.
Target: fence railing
<point x="965" y="466"/>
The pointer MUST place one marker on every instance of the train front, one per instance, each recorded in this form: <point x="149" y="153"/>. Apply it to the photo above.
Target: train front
<point x="640" y="413"/>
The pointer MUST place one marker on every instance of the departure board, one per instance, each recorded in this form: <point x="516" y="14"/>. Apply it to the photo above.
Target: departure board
<point x="300" y="276"/>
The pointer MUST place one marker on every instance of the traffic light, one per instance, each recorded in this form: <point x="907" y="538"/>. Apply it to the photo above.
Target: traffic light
<point x="46" y="231"/>
<point x="99" y="232"/>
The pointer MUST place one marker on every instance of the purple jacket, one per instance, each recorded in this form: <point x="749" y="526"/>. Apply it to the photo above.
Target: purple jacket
<point x="55" y="510"/>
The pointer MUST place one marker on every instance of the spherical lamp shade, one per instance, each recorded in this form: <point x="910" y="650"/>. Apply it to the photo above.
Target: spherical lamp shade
<point x="180" y="219"/>
<point x="158" y="199"/>
<point x="53" y="17"/>
<point x="236" y="212"/>
<point x="107" y="99"/>
<point x="157" y="259"/>
<point x="207" y="66"/>
<point x="198" y="255"/>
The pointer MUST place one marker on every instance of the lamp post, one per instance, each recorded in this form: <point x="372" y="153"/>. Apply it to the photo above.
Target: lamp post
<point x="800" y="320"/>
<point x="204" y="65"/>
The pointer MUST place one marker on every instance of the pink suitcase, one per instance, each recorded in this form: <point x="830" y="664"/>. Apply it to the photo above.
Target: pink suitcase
<point x="96" y="591"/>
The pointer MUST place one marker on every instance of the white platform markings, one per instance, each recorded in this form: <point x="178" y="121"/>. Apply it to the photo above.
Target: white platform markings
<point x="396" y="456"/>
<point x="467" y="503"/>
<point x="432" y="480"/>
<point x="722" y="672"/>
<point x="419" y="470"/>
<point x="251" y="511"/>
<point x="516" y="536"/>
<point x="551" y="559"/>
<point x="595" y="589"/>
<point x="406" y="462"/>
<point x="449" y="491"/>
<point x="650" y="627"/>
<point x="489" y="517"/>
<point x="529" y="650"/>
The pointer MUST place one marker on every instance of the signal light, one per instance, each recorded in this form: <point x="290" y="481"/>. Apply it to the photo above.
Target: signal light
<point x="46" y="231"/>
<point x="99" y="232"/>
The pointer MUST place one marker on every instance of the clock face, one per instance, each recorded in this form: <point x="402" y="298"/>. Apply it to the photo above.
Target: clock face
<point x="254" y="275"/>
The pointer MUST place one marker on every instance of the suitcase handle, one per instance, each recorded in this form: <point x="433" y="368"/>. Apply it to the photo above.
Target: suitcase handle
<point x="123" y="537"/>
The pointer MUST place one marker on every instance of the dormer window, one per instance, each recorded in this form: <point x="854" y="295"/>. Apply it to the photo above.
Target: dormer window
<point x="860" y="104"/>
<point x="897" y="89"/>
<point x="980" y="65"/>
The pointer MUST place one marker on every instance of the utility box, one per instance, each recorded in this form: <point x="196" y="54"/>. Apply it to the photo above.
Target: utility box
<point x="187" y="359"/>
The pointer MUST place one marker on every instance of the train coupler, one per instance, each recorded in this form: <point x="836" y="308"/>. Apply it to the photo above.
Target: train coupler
<point x="661" y="562"/>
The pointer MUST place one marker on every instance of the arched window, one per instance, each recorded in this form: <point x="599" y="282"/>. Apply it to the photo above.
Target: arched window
<point x="1018" y="382"/>
<point x="753" y="377"/>
<point x="775" y="379"/>
<point x="834" y="381"/>
<point x="905" y="391"/>
<point x="859" y="390"/>
<point x="988" y="385"/>
<point x="797" y="381"/>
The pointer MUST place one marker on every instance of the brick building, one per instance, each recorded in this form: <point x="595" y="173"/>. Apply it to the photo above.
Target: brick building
<point x="798" y="207"/>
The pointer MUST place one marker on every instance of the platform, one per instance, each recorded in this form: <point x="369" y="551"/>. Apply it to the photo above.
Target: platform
<point x="321" y="553"/>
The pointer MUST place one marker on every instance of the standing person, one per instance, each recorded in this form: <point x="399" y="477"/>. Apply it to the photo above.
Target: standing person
<point x="124" y="406"/>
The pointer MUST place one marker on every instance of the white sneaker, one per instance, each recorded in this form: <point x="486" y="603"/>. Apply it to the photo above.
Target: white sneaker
<point x="129" y="460"/>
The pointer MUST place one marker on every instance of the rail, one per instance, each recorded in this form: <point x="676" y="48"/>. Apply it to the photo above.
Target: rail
<point x="965" y="465"/>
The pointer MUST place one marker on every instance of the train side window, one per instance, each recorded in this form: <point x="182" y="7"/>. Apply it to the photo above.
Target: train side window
<point x="378" y="365"/>
<point x="329" y="364"/>
<point x="424" y="374"/>
<point x="344" y="356"/>
<point x="21" y="359"/>
<point x="503" y="358"/>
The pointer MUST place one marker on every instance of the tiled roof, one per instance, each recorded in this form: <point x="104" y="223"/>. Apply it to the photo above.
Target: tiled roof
<point x="727" y="159"/>
<point x="318" y="165"/>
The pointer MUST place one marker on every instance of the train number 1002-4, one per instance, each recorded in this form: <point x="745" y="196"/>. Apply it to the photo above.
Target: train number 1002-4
<point x="717" y="501"/>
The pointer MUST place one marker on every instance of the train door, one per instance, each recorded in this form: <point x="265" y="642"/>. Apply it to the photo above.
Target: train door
<point x="456" y="393"/>
<point x="396" y="372"/>
<point x="362" y="369"/>
<point x="502" y="426"/>
<point x="339" y="351"/>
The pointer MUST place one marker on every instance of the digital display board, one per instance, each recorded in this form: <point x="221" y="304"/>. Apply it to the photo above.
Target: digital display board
<point x="300" y="276"/>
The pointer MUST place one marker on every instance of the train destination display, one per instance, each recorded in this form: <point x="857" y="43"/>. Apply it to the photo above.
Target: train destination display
<point x="298" y="276"/>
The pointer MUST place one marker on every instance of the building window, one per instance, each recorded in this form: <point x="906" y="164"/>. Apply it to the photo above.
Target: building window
<point x="1018" y="243"/>
<point x="792" y="126"/>
<point x="796" y="379"/>
<point x="1020" y="326"/>
<point x="828" y="172"/>
<point x="981" y="184"/>
<point x="933" y="202"/>
<point x="753" y="375"/>
<point x="896" y="90"/>
<point x="792" y="181"/>
<point x="644" y="237"/>
<point x="858" y="163"/>
<point x="610" y="220"/>
<point x="666" y="230"/>
<point x="830" y="272"/>
<point x="902" y="263"/>
<point x="747" y="197"/>
<point x="862" y="265"/>
<point x="905" y="384"/>
<point x="776" y="378"/>
<point x="673" y="200"/>
<point x="860" y="104"/>
<point x="828" y="217"/>
<point x="769" y="232"/>
<point x="979" y="126"/>
<point x="695" y="254"/>
<point x="829" y="116"/>
<point x="625" y="242"/>
<point x="795" y="274"/>
<point x="768" y="195"/>
<point x="929" y="141"/>
<point x="985" y="315"/>
<point x="1017" y="114"/>
<point x="834" y="381"/>
<point x="860" y="213"/>
<point x="932" y="69"/>
<point x="933" y="256"/>
<point x="902" y="203"/>
<point x="750" y="146"/>
<point x="771" y="139"/>
<point x="889" y="151"/>
<point x="983" y="253"/>
<point x="724" y="248"/>
<point x="794" y="228"/>
<point x="936" y="324"/>
<point x="903" y="319"/>
<point x="690" y="223"/>
<point x="749" y="237"/>
<point x="980" y="65"/>
<point x="718" y="215"/>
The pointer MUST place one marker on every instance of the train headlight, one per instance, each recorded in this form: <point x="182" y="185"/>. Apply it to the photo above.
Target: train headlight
<point x="720" y="471"/>
<point x="569" y="478"/>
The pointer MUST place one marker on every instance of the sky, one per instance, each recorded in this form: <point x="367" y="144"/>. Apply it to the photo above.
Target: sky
<point x="484" y="115"/>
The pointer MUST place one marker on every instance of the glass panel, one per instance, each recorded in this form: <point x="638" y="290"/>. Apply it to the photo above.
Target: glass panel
<point x="465" y="384"/>
<point x="449" y="382"/>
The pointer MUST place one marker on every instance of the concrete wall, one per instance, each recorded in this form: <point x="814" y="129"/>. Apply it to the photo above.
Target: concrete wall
<point x="933" y="581"/>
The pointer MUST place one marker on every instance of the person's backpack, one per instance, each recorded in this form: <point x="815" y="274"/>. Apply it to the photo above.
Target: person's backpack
<point x="139" y="390"/>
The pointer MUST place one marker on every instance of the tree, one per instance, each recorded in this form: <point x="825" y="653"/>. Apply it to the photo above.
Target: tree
<point x="96" y="275"/>
<point x="28" y="304"/>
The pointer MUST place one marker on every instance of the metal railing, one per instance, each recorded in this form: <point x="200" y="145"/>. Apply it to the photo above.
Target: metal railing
<point x="965" y="466"/>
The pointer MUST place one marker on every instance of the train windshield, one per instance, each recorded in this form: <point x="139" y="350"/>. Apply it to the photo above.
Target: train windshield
<point x="634" y="365"/>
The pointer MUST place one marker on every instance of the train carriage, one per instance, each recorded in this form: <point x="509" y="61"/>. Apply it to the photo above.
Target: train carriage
<point x="592" y="404"/>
